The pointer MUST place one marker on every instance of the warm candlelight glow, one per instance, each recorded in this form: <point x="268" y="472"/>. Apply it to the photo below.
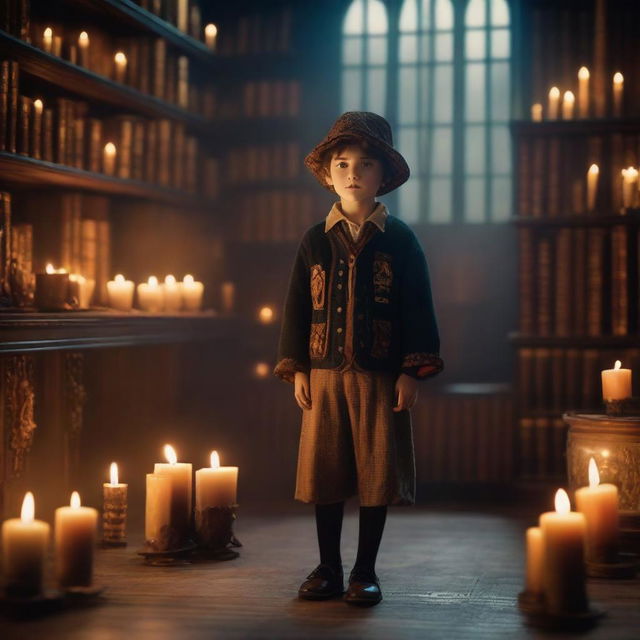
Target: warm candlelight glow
<point x="75" y="500"/>
<point x="211" y="30"/>
<point x="83" y="39"/>
<point x="48" y="33"/>
<point x="170" y="454"/>
<point x="119" y="278"/>
<point x="120" y="58"/>
<point x="50" y="268"/>
<point x="110" y="149"/>
<point x="170" y="279"/>
<point x="617" y="365"/>
<point x="554" y="99"/>
<point x="113" y="472"/>
<point x="594" y="476"/>
<point x="594" y="170"/>
<point x="262" y="369"/>
<point x="188" y="279"/>
<point x="562" y="504"/>
<point x="38" y="106"/>
<point x="568" y="102"/>
<point x="28" y="508"/>
<point x="618" y="79"/>
<point x="215" y="460"/>
<point x="554" y="93"/>
<point x="583" y="73"/>
<point x="153" y="281"/>
<point x="266" y="314"/>
<point x="536" y="112"/>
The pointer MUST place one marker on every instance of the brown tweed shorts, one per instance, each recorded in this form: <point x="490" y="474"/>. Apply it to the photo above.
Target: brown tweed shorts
<point x="352" y="442"/>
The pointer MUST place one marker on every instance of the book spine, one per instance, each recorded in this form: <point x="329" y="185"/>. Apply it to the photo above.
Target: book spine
<point x="24" y="122"/>
<point x="12" y="108"/>
<point x="619" y="284"/>
<point x="4" y="104"/>
<point x="544" y="287"/>
<point x="47" y="135"/>
<point x="563" y="282"/>
<point x="526" y="278"/>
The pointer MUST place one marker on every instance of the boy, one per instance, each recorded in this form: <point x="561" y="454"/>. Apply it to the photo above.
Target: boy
<point x="358" y="330"/>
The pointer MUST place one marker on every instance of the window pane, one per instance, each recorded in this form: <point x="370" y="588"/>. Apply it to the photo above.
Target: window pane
<point x="475" y="92"/>
<point x="352" y="50"/>
<point x="474" y="200"/>
<point x="408" y="147"/>
<point x="425" y="18"/>
<point x="351" y="89"/>
<point x="500" y="99"/>
<point x="476" y="14"/>
<point x="501" y="194"/>
<point x="377" y="91"/>
<point x="376" y="17"/>
<point x="500" y="150"/>
<point x="443" y="93"/>
<point x="424" y="47"/>
<point x="499" y="13"/>
<point x="377" y="50"/>
<point x="408" y="95"/>
<point x="444" y="14"/>
<point x="408" y="48"/>
<point x="440" y="200"/>
<point x="441" y="151"/>
<point x="474" y="149"/>
<point x="444" y="47"/>
<point x="408" y="201"/>
<point x="354" y="20"/>
<point x="476" y="45"/>
<point x="500" y="43"/>
<point x="409" y="16"/>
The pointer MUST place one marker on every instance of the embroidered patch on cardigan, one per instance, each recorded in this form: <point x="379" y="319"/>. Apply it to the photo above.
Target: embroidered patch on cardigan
<point x="318" y="281"/>
<point x="382" y="277"/>
<point x="381" y="338"/>
<point x="317" y="339"/>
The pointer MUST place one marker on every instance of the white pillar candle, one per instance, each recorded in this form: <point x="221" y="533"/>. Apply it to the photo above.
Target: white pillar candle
<point x="150" y="295"/>
<point x="592" y="186"/>
<point x="47" y="40"/>
<point x="109" y="159"/>
<point x="35" y="148"/>
<point x="82" y="288"/>
<point x="191" y="293"/>
<point x="216" y="486"/>
<point x="120" y="292"/>
<point x="618" y="87"/>
<point x="172" y="294"/>
<point x="568" y="102"/>
<point x="114" y="507"/>
<point x="120" y="67"/>
<point x="83" y="48"/>
<point x="563" y="534"/>
<point x="157" y="511"/>
<point x="210" y="36"/>
<point x="534" y="560"/>
<point x="75" y="536"/>
<point x="56" y="49"/>
<point x="25" y="542"/>
<point x="616" y="383"/>
<point x="629" y="186"/>
<point x="554" y="101"/>
<point x="583" y="92"/>
<point x="536" y="112"/>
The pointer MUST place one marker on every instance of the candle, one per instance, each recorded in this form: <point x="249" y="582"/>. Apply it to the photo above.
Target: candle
<point x="150" y="295"/>
<point x="120" y="292"/>
<point x="191" y="293"/>
<point x="563" y="534"/>
<point x="599" y="504"/>
<point x="158" y="512"/>
<point x="583" y="92"/>
<point x="179" y="474"/>
<point x="114" y="512"/>
<point x="172" y="294"/>
<point x="120" y="67"/>
<point x="616" y="383"/>
<point x="56" y="49"/>
<point x="265" y="315"/>
<point x="592" y="186"/>
<point x="568" y="102"/>
<point x="216" y="486"/>
<point x="534" y="560"/>
<point x="629" y="186"/>
<point x="75" y="536"/>
<point x="554" y="99"/>
<point x="81" y="289"/>
<point x="228" y="294"/>
<point x="36" y="130"/>
<point x="210" y="35"/>
<point x="618" y="85"/>
<point x="536" y="112"/>
<point x="109" y="159"/>
<point x="262" y="370"/>
<point x="52" y="290"/>
<point x="83" y="48"/>
<point x="24" y="551"/>
<point x="47" y="40"/>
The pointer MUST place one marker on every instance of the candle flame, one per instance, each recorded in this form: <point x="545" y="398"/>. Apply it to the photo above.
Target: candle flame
<point x="113" y="472"/>
<point x="188" y="279"/>
<point x="120" y="58"/>
<point x="617" y="365"/>
<point x="28" y="508"/>
<point x="153" y="281"/>
<point x="583" y="73"/>
<point x="618" y="78"/>
<point x="169" y="279"/>
<point x="215" y="460"/>
<point x="50" y="268"/>
<point x="594" y="476"/>
<point x="562" y="504"/>
<point x="75" y="500"/>
<point x="211" y="29"/>
<point x="266" y="314"/>
<point x="38" y="105"/>
<point x="110" y="149"/>
<point x="262" y="369"/>
<point x="48" y="32"/>
<point x="554" y="92"/>
<point x="594" y="169"/>
<point x="569" y="97"/>
<point x="76" y="277"/>
<point x="83" y="39"/>
<point x="170" y="454"/>
<point x="119" y="278"/>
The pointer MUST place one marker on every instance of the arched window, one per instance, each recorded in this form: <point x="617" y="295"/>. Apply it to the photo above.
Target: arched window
<point x="364" y="57"/>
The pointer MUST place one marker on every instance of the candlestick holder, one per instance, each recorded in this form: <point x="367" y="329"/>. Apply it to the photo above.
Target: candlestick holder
<point x="214" y="532"/>
<point x="625" y="566"/>
<point x="114" y="517"/>
<point x="615" y="408"/>
<point x="563" y="621"/>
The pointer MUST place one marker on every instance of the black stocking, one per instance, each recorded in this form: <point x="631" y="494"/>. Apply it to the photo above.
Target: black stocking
<point x="329" y="527"/>
<point x="372" y="520"/>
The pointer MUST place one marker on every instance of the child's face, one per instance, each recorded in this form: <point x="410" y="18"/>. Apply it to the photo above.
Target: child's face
<point x="354" y="174"/>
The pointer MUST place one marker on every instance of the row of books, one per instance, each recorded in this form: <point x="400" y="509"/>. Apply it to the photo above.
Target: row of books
<point x="259" y="163"/>
<point x="183" y="14"/>
<point x="579" y="281"/>
<point x="15" y="18"/>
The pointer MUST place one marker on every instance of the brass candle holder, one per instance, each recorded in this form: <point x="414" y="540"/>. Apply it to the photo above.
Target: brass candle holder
<point x="214" y="531"/>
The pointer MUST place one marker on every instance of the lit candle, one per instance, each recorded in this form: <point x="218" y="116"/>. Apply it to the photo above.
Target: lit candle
<point x="52" y="290"/>
<point x="599" y="504"/>
<point x="120" y="292"/>
<point x="262" y="370"/>
<point x="618" y="85"/>
<point x="150" y="295"/>
<point x="82" y="289"/>
<point x="210" y="35"/>
<point x="75" y="536"/>
<point x="120" y="67"/>
<point x="191" y="293"/>
<point x="265" y="315"/>
<point x="109" y="159"/>
<point x="172" y="294"/>
<point x="24" y="551"/>
<point x="534" y="560"/>
<point x="56" y="49"/>
<point x="36" y="129"/>
<point x="47" y="40"/>
<point x="114" y="512"/>
<point x="83" y="48"/>
<point x="592" y="186"/>
<point x="158" y="512"/>
<point x="563" y="535"/>
<point x="583" y="92"/>
<point x="536" y="112"/>
<point x="554" y="100"/>
<point x="568" y="102"/>
<point x="216" y="486"/>
<point x="616" y="383"/>
<point x="629" y="186"/>
<point x="180" y="475"/>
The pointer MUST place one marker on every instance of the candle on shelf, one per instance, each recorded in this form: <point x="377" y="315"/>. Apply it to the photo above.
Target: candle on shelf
<point x="52" y="290"/>
<point x="191" y="293"/>
<point x="35" y="146"/>
<point x="583" y="92"/>
<point x="82" y="289"/>
<point x="47" y="40"/>
<point x="83" y="48"/>
<point x="210" y="36"/>
<point x="172" y="294"/>
<point x="554" y="100"/>
<point x="618" y="87"/>
<point x="24" y="551"/>
<point x="150" y="295"/>
<point x="568" y="102"/>
<point x="216" y="486"/>
<point x="592" y="186"/>
<point x="120" y="67"/>
<point x="534" y="584"/>
<point x="228" y="290"/>
<point x="157" y="518"/>
<point x="599" y="504"/>
<point x="536" y="112"/>
<point x="180" y="476"/>
<point x="109" y="159"/>
<point x="120" y="292"/>
<point x="629" y="186"/>
<point x="616" y="383"/>
<point x="563" y="535"/>
<point x="56" y="48"/>
<point x="114" y="512"/>
<point x="266" y="315"/>
<point x="75" y="536"/>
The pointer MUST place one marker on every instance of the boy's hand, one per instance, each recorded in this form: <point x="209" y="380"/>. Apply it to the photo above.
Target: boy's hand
<point x="406" y="392"/>
<point x="302" y="392"/>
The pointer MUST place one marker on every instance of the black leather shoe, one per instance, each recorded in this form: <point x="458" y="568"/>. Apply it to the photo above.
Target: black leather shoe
<point x="364" y="589"/>
<point x="322" y="583"/>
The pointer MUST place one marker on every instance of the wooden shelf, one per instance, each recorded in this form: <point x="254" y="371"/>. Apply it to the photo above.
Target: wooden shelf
<point x="632" y="218"/>
<point x="29" y="172"/>
<point x="32" y="331"/>
<point x="593" y="342"/>
<point x="575" y="127"/>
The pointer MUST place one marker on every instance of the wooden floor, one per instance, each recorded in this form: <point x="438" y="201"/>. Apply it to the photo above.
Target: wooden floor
<point x="446" y="573"/>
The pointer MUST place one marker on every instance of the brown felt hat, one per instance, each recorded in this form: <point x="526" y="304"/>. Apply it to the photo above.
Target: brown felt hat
<point x="369" y="127"/>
